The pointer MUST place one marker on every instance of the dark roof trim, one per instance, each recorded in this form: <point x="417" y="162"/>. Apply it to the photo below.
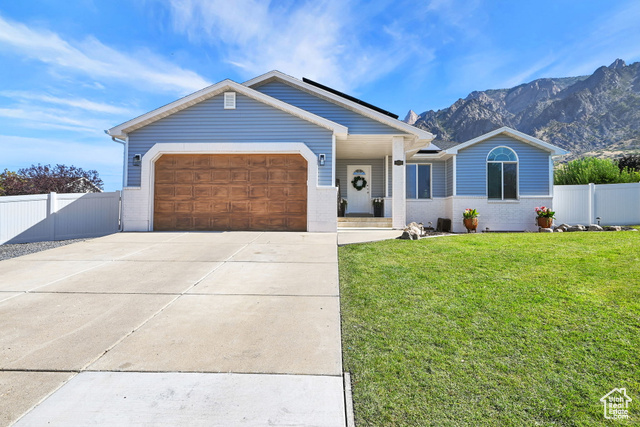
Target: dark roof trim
<point x="350" y="98"/>
<point x="428" y="151"/>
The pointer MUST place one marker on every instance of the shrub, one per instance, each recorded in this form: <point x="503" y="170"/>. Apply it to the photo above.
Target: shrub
<point x="593" y="170"/>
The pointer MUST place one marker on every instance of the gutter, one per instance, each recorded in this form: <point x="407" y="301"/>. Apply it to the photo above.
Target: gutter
<point x="124" y="169"/>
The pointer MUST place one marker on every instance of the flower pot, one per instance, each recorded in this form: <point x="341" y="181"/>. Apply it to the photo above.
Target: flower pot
<point x="470" y="224"/>
<point x="545" y="222"/>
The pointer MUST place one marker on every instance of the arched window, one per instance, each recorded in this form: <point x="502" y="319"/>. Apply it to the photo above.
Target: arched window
<point x="502" y="174"/>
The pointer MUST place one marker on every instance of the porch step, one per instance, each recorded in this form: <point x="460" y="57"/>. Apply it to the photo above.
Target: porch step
<point x="352" y="222"/>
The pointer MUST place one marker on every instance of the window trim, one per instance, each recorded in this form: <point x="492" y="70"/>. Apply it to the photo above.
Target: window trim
<point x="416" y="183"/>
<point x="516" y="162"/>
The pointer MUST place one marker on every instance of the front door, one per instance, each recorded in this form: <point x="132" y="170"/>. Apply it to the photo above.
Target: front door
<point x="359" y="196"/>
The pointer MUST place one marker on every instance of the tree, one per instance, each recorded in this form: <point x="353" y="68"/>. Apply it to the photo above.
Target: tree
<point x="593" y="170"/>
<point x="630" y="161"/>
<point x="42" y="179"/>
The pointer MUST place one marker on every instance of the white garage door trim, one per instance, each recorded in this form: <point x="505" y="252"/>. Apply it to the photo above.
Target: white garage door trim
<point x="138" y="204"/>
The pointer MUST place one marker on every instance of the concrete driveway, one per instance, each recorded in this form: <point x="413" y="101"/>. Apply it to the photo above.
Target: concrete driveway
<point x="211" y="329"/>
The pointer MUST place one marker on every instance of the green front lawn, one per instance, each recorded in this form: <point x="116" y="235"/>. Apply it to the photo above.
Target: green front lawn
<point x="492" y="329"/>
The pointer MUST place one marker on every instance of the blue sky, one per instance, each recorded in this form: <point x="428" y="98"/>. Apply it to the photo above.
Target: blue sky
<point x="70" y="69"/>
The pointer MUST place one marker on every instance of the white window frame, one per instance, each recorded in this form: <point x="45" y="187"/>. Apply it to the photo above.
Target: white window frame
<point x="517" y="163"/>
<point x="416" y="183"/>
<point x="229" y="100"/>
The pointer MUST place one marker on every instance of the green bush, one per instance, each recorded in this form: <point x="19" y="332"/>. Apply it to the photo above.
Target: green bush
<point x="593" y="170"/>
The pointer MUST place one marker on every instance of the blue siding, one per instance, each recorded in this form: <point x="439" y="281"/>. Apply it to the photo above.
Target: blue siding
<point x="251" y="121"/>
<point x="533" y="167"/>
<point x="357" y="123"/>
<point x="438" y="176"/>
<point x="377" y="175"/>
<point x="449" y="177"/>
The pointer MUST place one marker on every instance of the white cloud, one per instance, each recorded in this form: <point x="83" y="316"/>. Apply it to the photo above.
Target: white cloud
<point x="91" y="57"/>
<point x="79" y="103"/>
<point x="44" y="118"/>
<point x="321" y="40"/>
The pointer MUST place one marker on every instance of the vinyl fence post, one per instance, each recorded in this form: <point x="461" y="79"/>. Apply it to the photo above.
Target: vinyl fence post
<point x="592" y="203"/>
<point x="53" y="208"/>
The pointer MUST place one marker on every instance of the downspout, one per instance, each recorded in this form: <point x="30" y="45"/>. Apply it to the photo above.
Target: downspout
<point x="124" y="170"/>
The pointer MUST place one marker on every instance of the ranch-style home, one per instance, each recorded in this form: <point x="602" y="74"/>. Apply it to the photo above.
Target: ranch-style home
<point x="267" y="154"/>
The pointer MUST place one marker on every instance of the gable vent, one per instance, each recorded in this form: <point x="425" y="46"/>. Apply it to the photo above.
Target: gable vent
<point x="229" y="100"/>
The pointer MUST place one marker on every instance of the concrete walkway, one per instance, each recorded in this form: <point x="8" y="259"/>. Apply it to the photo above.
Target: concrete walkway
<point x="211" y="329"/>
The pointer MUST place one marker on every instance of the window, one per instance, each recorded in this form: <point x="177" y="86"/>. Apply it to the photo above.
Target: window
<point x="418" y="181"/>
<point x="502" y="174"/>
<point x="229" y="100"/>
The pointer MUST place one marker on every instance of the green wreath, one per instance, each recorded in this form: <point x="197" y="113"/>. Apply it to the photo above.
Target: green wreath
<point x="359" y="183"/>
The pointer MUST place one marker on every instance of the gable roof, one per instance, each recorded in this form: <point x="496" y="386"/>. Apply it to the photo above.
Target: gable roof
<point x="555" y="150"/>
<point x="342" y="101"/>
<point x="121" y="130"/>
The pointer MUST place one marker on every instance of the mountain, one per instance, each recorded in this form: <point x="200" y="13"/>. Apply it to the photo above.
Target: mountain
<point x="587" y="115"/>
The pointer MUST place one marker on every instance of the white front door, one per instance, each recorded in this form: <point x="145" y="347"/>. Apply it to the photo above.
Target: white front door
<point x="358" y="201"/>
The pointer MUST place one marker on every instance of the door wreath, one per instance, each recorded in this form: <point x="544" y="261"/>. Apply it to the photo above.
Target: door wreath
<point x="359" y="183"/>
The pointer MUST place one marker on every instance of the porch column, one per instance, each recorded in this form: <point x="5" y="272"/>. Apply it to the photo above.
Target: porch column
<point x="398" y="172"/>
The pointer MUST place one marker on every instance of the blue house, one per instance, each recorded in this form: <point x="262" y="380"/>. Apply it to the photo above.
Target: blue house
<point x="267" y="154"/>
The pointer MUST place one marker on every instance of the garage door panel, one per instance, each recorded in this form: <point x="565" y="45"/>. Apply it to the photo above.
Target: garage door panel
<point x="239" y="192"/>
<point x="296" y="207"/>
<point x="296" y="224"/>
<point x="296" y="163"/>
<point x="258" y="207"/>
<point x="202" y="207"/>
<point x="165" y="206"/>
<point x="277" y="176"/>
<point x="184" y="177"/>
<point x="277" y="162"/>
<point x="258" y="192"/>
<point x="202" y="177"/>
<point x="297" y="176"/>
<point x="259" y="176"/>
<point x="230" y="192"/>
<point x="165" y="176"/>
<point x="240" y="161"/>
<point x="220" y="207"/>
<point x="258" y="161"/>
<point x="239" y="175"/>
<point x="220" y="223"/>
<point x="239" y="207"/>
<point x="297" y="192"/>
<point x="164" y="190"/>
<point x="220" y="175"/>
<point x="239" y="223"/>
<point x="184" y="207"/>
<point x="277" y="192"/>
<point x="202" y="192"/>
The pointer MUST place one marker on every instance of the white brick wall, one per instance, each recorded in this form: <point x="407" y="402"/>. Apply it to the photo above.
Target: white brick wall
<point x="322" y="213"/>
<point x="499" y="216"/>
<point x="426" y="210"/>
<point x="135" y="210"/>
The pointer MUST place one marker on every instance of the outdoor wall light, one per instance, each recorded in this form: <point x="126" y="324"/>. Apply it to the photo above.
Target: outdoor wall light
<point x="137" y="159"/>
<point x="321" y="159"/>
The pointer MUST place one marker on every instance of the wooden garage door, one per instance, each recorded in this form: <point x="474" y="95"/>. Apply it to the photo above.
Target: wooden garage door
<point x="230" y="192"/>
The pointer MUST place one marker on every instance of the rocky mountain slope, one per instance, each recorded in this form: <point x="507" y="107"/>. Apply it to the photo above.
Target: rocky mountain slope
<point x="588" y="115"/>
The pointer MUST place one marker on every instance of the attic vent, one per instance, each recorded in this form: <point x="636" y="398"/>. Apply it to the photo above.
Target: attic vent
<point x="229" y="100"/>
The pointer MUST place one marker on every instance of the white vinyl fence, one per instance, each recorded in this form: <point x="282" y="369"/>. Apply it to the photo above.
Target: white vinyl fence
<point x="614" y="204"/>
<point x="41" y="217"/>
